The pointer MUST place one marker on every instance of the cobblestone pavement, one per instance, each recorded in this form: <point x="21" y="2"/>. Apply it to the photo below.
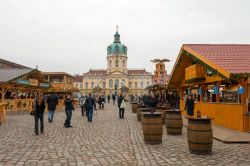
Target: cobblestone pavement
<point x="106" y="141"/>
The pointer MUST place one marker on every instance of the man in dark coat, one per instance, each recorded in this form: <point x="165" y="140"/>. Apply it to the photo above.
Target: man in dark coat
<point x="121" y="110"/>
<point x="113" y="97"/>
<point x="90" y="105"/>
<point x="68" y="111"/>
<point x="108" y="98"/>
<point x="52" y="101"/>
<point x="189" y="106"/>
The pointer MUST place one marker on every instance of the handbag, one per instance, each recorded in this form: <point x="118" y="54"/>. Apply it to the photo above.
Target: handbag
<point x="32" y="113"/>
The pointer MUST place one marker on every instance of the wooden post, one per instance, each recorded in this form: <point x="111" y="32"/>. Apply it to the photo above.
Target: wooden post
<point x="218" y="95"/>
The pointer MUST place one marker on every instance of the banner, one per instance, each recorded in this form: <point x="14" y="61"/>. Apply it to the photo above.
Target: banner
<point x="34" y="82"/>
<point x="44" y="85"/>
<point x="24" y="82"/>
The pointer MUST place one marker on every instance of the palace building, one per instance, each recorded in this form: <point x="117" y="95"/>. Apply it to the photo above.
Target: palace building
<point x="116" y="76"/>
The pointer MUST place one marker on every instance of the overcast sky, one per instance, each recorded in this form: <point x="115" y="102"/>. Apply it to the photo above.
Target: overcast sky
<point x="73" y="35"/>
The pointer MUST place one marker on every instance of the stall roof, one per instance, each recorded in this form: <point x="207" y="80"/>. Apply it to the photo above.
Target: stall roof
<point x="234" y="58"/>
<point x="229" y="60"/>
<point x="7" y="75"/>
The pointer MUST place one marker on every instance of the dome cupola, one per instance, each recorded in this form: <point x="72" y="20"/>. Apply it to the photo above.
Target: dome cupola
<point x="117" y="47"/>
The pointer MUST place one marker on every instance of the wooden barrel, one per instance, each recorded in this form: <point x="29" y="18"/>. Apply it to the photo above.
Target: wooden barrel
<point x="162" y="109"/>
<point x="134" y="107"/>
<point x="152" y="127"/>
<point x="200" y="135"/>
<point x="174" y="122"/>
<point x="141" y="110"/>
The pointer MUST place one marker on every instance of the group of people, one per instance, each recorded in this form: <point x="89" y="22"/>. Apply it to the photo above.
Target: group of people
<point x="39" y="106"/>
<point x="88" y="105"/>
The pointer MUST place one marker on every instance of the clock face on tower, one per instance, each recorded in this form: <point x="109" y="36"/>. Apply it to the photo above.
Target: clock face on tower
<point x="209" y="72"/>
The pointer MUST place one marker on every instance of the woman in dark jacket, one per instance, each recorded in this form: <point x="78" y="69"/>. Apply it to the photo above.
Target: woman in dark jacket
<point x="189" y="106"/>
<point x="68" y="110"/>
<point x="39" y="111"/>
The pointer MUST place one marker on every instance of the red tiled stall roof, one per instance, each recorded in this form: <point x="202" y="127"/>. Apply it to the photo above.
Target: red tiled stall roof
<point x="235" y="58"/>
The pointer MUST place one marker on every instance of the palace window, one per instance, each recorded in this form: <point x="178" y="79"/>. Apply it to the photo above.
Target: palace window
<point x="123" y="63"/>
<point x="136" y="85"/>
<point x="130" y="84"/>
<point x="117" y="83"/>
<point x="116" y="63"/>
<point x="110" y="83"/>
<point x="110" y="63"/>
<point x="123" y="82"/>
<point x="92" y="85"/>
<point x="141" y="85"/>
<point x="86" y="85"/>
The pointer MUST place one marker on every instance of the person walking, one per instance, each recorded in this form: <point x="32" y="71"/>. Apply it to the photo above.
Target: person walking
<point x="102" y="101"/>
<point x="113" y="98"/>
<point x="189" y="106"/>
<point x="91" y="105"/>
<point x="82" y="104"/>
<point x="39" y="107"/>
<point x="108" y="98"/>
<point x="52" y="101"/>
<point x="68" y="111"/>
<point x="121" y="106"/>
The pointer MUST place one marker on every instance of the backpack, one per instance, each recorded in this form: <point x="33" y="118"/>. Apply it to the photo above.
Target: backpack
<point x="123" y="104"/>
<point x="82" y="101"/>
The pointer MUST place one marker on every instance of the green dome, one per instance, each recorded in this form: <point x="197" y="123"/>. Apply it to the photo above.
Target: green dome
<point x="117" y="47"/>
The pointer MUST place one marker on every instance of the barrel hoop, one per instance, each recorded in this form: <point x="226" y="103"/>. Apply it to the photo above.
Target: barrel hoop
<point x="199" y="130"/>
<point x="174" y="119"/>
<point x="199" y="121"/>
<point x="151" y="123"/>
<point x="200" y="143"/>
<point x="174" y="127"/>
<point x="153" y="134"/>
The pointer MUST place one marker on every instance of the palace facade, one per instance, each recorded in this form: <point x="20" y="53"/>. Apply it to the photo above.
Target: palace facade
<point x="116" y="76"/>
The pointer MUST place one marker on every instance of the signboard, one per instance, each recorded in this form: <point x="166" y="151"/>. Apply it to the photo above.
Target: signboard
<point x="34" y="82"/>
<point x="44" y="85"/>
<point x="24" y="82"/>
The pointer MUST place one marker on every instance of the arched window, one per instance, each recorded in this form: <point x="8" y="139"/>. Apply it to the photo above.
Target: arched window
<point x="110" y="63"/>
<point x="123" y="82"/>
<point x="110" y="83"/>
<point x="123" y="63"/>
<point x="117" y="83"/>
<point x="116" y="63"/>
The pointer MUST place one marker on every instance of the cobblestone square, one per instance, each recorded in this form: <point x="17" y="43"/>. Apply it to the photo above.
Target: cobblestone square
<point x="107" y="141"/>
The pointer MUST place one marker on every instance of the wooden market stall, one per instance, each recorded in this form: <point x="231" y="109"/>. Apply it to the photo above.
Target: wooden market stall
<point x="217" y="76"/>
<point x="18" y="88"/>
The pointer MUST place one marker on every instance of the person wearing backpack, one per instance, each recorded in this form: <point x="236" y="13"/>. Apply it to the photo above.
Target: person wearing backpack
<point x="121" y="106"/>
<point x="39" y="107"/>
<point x="82" y="104"/>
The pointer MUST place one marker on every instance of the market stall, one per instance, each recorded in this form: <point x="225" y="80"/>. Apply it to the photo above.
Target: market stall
<point x="18" y="87"/>
<point x="217" y="80"/>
